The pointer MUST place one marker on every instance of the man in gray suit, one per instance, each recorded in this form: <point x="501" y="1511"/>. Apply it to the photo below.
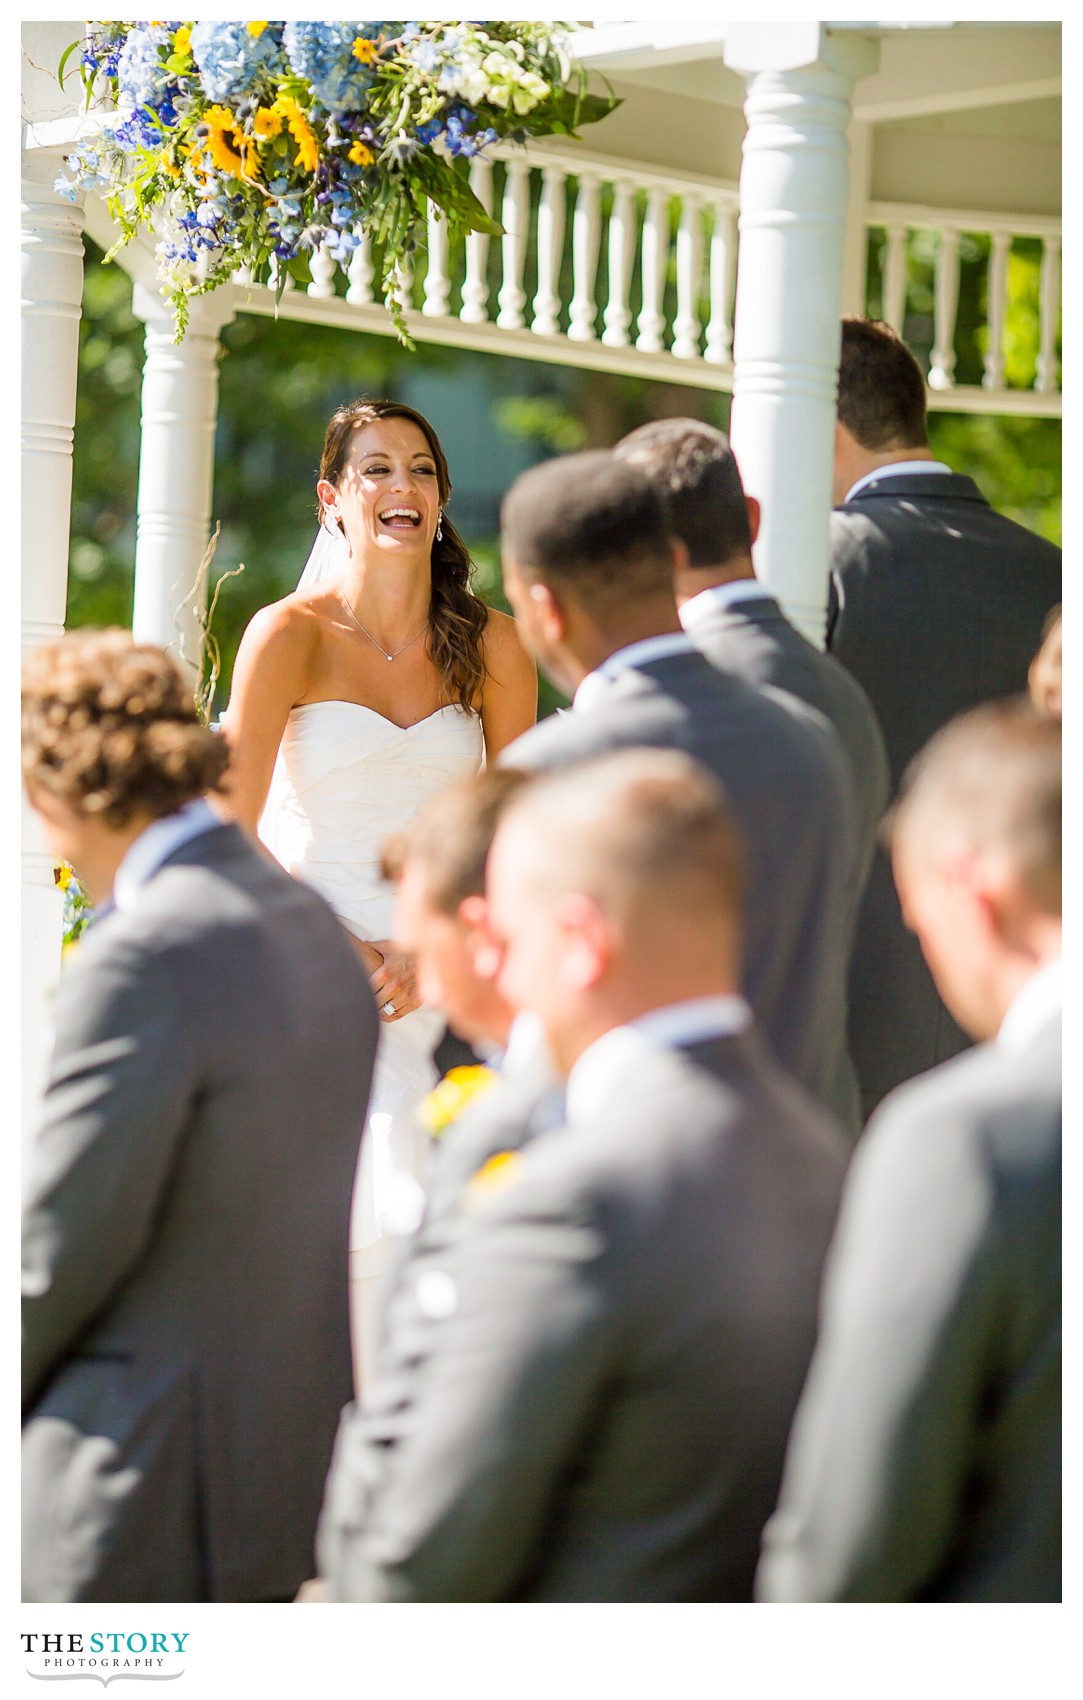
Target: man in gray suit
<point x="589" y="1377"/>
<point x="925" y="1457"/>
<point x="588" y="568"/>
<point x="937" y="604"/>
<point x="186" y="1344"/>
<point x="733" y="620"/>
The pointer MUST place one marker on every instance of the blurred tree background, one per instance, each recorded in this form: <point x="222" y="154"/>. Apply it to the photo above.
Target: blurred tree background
<point x="280" y="382"/>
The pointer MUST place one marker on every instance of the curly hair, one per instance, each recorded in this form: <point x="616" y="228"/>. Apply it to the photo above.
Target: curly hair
<point x="457" y="618"/>
<point x="110" y="726"/>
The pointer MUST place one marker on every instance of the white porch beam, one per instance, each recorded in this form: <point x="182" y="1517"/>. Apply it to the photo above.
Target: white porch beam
<point x="961" y="66"/>
<point x="176" y="467"/>
<point x="792" y="223"/>
<point x="52" y="292"/>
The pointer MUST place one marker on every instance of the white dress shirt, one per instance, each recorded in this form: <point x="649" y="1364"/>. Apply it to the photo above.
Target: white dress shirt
<point x="611" y="1057"/>
<point x="1037" y="1003"/>
<point x="631" y="656"/>
<point x="717" y="596"/>
<point x="897" y="469"/>
<point x="145" y="856"/>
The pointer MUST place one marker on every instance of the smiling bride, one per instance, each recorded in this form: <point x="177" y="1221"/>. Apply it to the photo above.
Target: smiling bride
<point x="354" y="699"/>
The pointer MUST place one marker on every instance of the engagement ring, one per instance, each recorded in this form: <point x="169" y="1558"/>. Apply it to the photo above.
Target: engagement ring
<point x="387" y="1009"/>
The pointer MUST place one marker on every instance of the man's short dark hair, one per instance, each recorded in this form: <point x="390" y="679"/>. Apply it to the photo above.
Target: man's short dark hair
<point x="450" y="839"/>
<point x="693" y="467"/>
<point x="881" y="388"/>
<point x="591" y="523"/>
<point x="993" y="775"/>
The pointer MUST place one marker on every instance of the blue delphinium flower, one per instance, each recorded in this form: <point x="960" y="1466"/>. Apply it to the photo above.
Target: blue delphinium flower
<point x="428" y="132"/>
<point x="323" y="54"/>
<point x="230" y="59"/>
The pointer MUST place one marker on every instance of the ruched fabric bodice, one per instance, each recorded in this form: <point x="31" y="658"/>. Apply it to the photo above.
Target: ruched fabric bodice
<point x="346" y="780"/>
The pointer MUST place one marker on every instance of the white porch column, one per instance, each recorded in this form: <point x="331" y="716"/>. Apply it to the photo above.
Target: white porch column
<point x="176" y="466"/>
<point x="793" y="207"/>
<point x="52" y="291"/>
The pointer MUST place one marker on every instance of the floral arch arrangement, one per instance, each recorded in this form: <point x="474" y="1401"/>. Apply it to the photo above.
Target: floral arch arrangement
<point x="240" y="144"/>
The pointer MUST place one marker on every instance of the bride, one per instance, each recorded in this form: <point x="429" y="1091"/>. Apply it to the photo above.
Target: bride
<point x="354" y="699"/>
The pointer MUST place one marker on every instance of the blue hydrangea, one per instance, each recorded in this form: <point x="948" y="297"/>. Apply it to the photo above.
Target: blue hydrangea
<point x="142" y="80"/>
<point x="323" y="54"/>
<point x="230" y="60"/>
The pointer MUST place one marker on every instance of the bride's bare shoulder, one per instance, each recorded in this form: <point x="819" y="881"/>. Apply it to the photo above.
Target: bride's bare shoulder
<point x="290" y="631"/>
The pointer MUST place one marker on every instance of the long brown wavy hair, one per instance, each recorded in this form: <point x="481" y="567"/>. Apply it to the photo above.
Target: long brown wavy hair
<point x="457" y="617"/>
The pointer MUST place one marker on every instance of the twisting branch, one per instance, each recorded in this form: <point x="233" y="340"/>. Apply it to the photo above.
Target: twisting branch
<point x="207" y="661"/>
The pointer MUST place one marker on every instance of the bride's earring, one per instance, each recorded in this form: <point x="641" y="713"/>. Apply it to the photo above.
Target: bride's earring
<point x="440" y="526"/>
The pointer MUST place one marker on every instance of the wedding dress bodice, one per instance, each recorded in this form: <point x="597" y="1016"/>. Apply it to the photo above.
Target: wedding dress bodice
<point x="345" y="781"/>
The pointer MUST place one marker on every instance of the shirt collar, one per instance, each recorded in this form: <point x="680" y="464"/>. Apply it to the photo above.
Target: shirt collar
<point x="606" y="1062"/>
<point x="147" y="853"/>
<point x="717" y="596"/>
<point x="1034" y="1006"/>
<point x="898" y="469"/>
<point x="631" y="656"/>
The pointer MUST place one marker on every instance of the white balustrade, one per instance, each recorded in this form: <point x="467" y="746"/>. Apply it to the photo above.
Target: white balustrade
<point x="945" y="307"/>
<point x="514" y="216"/>
<point x="894" y="277"/>
<point x="996" y="309"/>
<point x="1050" y="311"/>
<point x="689" y="266"/>
<point x="323" y="269"/>
<point x="436" y="304"/>
<point x="622" y="221"/>
<point x="654" y="256"/>
<point x="723" y="273"/>
<point x="361" y="273"/>
<point x="475" y="307"/>
<point x="547" y="302"/>
<point x="585" y="234"/>
<point x="401" y="283"/>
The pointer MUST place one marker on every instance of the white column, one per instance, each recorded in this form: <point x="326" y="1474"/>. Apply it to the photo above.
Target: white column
<point x="176" y="467"/>
<point x="52" y="292"/>
<point x="793" y="206"/>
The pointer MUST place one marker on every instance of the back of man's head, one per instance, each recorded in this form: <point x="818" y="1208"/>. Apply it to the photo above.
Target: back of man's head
<point x="693" y="467"/>
<point x="591" y="525"/>
<point x="881" y="389"/>
<point x="645" y="833"/>
<point x="989" y="784"/>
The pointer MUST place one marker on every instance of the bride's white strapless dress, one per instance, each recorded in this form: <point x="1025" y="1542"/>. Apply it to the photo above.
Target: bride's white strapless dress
<point x="347" y="779"/>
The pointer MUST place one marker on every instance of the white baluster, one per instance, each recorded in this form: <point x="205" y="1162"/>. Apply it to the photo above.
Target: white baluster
<point x="723" y="263"/>
<point x="437" y="278"/>
<point x="622" y="222"/>
<point x="475" y="307"/>
<point x="361" y="273"/>
<point x="550" y="249"/>
<point x="942" y="360"/>
<point x="654" y="258"/>
<point x="1050" y="309"/>
<point x="997" y="305"/>
<point x="277" y="270"/>
<point x="585" y="231"/>
<point x="689" y="265"/>
<point x="323" y="269"/>
<point x="894" y="277"/>
<point x="514" y="216"/>
<point x="400" y="284"/>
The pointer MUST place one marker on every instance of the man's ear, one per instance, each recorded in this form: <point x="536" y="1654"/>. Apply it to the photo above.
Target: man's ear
<point x="473" y="913"/>
<point x="550" y="609"/>
<point x="680" y="553"/>
<point x="754" y="514"/>
<point x="588" y="945"/>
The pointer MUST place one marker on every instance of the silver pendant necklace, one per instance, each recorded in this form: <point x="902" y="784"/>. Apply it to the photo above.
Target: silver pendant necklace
<point x="369" y="635"/>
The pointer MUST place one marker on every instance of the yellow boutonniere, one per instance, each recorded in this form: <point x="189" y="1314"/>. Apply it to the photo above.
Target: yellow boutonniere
<point x="499" y="1172"/>
<point x="458" y="1089"/>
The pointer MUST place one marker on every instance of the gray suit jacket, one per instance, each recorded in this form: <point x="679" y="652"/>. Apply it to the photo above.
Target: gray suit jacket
<point x="185" y="1301"/>
<point x="937" y="604"/>
<point x="925" y="1457"/>
<point x="590" y="1371"/>
<point x="753" y="640"/>
<point x="786" y="780"/>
